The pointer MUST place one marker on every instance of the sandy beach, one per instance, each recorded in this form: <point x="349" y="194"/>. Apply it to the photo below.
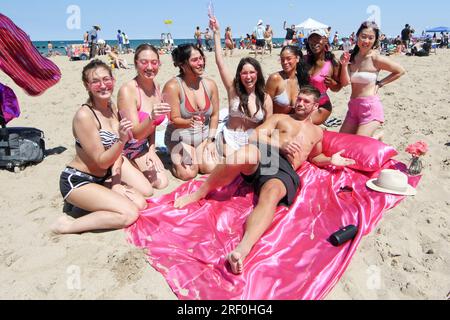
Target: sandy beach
<point x="406" y="257"/>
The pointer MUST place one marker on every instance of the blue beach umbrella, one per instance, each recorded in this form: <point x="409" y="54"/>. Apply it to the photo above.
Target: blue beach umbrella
<point x="438" y="29"/>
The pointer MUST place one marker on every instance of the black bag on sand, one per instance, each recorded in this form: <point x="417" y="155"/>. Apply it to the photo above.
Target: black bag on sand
<point x="20" y="147"/>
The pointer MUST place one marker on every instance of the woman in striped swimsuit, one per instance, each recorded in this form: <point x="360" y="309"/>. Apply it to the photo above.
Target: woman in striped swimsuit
<point x="97" y="168"/>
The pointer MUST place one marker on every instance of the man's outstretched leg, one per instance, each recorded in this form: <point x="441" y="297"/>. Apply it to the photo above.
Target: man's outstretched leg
<point x="246" y="162"/>
<point x="259" y="221"/>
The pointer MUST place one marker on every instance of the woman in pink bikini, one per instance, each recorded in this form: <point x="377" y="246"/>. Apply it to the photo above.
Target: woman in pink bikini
<point x="140" y="101"/>
<point x="229" y="43"/>
<point x="361" y="70"/>
<point x="324" y="73"/>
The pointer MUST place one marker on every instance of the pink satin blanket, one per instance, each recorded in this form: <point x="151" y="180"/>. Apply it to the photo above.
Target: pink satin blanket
<point x="293" y="260"/>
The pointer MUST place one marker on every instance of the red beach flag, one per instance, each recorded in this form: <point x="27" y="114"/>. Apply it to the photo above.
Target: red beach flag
<point x="22" y="61"/>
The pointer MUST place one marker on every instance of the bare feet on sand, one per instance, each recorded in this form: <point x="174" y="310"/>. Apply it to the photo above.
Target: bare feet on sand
<point x="184" y="201"/>
<point x="61" y="225"/>
<point x="236" y="262"/>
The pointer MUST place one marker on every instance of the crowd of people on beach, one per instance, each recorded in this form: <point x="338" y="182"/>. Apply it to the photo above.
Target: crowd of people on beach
<point x="272" y="128"/>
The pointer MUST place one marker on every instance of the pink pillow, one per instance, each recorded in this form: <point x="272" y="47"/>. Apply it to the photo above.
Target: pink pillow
<point x="370" y="154"/>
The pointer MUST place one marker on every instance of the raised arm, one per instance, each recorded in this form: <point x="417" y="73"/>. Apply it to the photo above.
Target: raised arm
<point x="226" y="76"/>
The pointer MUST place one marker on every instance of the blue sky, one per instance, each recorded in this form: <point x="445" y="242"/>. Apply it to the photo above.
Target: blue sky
<point x="47" y="19"/>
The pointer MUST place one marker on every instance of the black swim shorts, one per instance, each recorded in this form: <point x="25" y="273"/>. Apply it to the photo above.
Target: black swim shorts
<point x="273" y="165"/>
<point x="261" y="43"/>
<point x="72" y="179"/>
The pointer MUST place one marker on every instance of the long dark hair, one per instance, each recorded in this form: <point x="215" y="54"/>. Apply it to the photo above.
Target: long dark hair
<point x="240" y="88"/>
<point x="182" y="54"/>
<point x="312" y="59"/>
<point x="366" y="25"/>
<point x="302" y="69"/>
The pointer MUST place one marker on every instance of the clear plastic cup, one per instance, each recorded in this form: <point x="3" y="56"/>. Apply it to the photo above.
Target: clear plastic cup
<point x="347" y="46"/>
<point x="130" y="134"/>
<point x="211" y="9"/>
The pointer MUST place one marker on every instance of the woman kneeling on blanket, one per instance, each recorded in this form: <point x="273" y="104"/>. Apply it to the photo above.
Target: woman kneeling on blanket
<point x="361" y="70"/>
<point x="100" y="139"/>
<point x="194" y="118"/>
<point x="279" y="148"/>
<point x="140" y="101"/>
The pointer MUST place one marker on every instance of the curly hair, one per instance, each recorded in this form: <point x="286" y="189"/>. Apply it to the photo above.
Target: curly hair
<point x="312" y="59"/>
<point x="182" y="54"/>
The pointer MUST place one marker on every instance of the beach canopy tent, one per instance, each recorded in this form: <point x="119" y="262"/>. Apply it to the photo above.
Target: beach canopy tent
<point x="439" y="29"/>
<point x="311" y="24"/>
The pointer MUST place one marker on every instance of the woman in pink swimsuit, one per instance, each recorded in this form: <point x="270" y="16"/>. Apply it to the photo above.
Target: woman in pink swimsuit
<point x="229" y="43"/>
<point x="324" y="73"/>
<point x="361" y="70"/>
<point x="140" y="101"/>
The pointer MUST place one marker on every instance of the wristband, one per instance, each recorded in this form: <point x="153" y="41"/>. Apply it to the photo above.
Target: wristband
<point x="211" y="139"/>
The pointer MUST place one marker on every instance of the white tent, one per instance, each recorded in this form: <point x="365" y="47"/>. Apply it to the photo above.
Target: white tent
<point x="311" y="24"/>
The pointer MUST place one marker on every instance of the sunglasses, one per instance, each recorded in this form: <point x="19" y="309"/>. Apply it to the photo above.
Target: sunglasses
<point x="97" y="83"/>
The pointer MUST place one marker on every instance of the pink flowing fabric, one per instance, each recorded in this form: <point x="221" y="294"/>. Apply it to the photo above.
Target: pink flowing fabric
<point x="292" y="261"/>
<point x="22" y="61"/>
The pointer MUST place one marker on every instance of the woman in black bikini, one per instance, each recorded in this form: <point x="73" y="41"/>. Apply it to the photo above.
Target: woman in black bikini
<point x="100" y="140"/>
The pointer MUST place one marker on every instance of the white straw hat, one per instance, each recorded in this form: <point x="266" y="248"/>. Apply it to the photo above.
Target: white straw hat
<point x="393" y="182"/>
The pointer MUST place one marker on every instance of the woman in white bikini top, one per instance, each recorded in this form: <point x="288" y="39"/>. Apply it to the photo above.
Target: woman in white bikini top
<point x="284" y="86"/>
<point x="249" y="105"/>
<point x="361" y="70"/>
